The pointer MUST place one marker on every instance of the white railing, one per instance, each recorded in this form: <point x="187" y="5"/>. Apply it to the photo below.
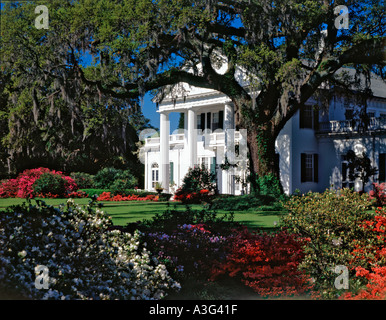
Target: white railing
<point x="334" y="126"/>
<point x="215" y="138"/>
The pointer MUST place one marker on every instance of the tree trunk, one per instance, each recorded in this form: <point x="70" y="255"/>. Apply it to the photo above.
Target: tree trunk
<point x="262" y="155"/>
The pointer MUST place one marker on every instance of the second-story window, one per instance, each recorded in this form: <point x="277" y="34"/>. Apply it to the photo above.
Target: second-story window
<point x="309" y="117"/>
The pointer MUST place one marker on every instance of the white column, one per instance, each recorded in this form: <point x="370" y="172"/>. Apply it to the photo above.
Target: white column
<point x="146" y="184"/>
<point x="164" y="150"/>
<point x="192" y="138"/>
<point x="229" y="116"/>
<point x="228" y="124"/>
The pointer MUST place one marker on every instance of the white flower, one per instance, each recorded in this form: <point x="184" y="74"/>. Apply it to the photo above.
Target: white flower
<point x="22" y="254"/>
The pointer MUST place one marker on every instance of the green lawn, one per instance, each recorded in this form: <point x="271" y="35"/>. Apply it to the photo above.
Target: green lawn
<point x="123" y="212"/>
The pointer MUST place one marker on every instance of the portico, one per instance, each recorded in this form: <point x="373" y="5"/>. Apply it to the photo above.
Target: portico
<point x="202" y="141"/>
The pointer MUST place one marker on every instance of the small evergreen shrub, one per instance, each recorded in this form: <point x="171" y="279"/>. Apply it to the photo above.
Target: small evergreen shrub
<point x="197" y="186"/>
<point x="114" y="179"/>
<point x="83" y="180"/>
<point x="50" y="184"/>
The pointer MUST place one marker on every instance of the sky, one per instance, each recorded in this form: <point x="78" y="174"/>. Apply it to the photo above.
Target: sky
<point x="149" y="110"/>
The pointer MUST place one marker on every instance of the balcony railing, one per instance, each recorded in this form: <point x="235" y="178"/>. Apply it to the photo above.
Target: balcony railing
<point x="352" y="126"/>
<point x="215" y="138"/>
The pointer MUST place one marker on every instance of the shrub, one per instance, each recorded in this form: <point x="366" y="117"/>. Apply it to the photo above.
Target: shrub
<point x="170" y="219"/>
<point x="114" y="179"/>
<point x="265" y="262"/>
<point x="197" y="186"/>
<point x="94" y="192"/>
<point x="187" y="251"/>
<point x="269" y="185"/>
<point x="379" y="194"/>
<point x="246" y="202"/>
<point x="53" y="184"/>
<point x="373" y="253"/>
<point x="107" y="196"/>
<point x="332" y="223"/>
<point x="83" y="180"/>
<point x="84" y="257"/>
<point x="23" y="185"/>
<point x="188" y="242"/>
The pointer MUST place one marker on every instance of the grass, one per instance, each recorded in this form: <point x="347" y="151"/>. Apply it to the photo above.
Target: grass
<point x="123" y="212"/>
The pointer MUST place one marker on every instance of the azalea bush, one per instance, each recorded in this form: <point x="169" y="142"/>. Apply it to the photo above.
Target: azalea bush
<point x="187" y="251"/>
<point x="53" y="184"/>
<point x="187" y="241"/>
<point x="379" y="194"/>
<point x="85" y="257"/>
<point x="197" y="186"/>
<point x="332" y="222"/>
<point x="203" y="196"/>
<point x="107" y="196"/>
<point x="369" y="260"/>
<point x="268" y="263"/>
<point x="23" y="186"/>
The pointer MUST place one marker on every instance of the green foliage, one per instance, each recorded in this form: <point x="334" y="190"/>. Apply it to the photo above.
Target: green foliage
<point x="269" y="185"/>
<point x="360" y="167"/>
<point x="83" y="180"/>
<point x="331" y="221"/>
<point x="197" y="179"/>
<point x="124" y="192"/>
<point x="246" y="203"/>
<point x="50" y="183"/>
<point x="114" y="179"/>
<point x="168" y="220"/>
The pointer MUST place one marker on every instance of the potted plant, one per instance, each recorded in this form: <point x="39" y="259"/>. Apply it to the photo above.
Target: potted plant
<point x="158" y="188"/>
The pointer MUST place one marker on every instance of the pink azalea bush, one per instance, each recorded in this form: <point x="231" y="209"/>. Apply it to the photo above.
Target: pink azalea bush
<point x="23" y="185"/>
<point x="379" y="193"/>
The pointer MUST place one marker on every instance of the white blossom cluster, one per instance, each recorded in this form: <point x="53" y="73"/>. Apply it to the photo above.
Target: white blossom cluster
<point x="85" y="259"/>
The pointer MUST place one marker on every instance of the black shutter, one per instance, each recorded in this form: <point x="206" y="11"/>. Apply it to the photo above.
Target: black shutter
<point x="316" y="167"/>
<point x="208" y="120"/>
<point x="301" y="117"/>
<point x="303" y="167"/>
<point x="316" y="118"/>
<point x="202" y="121"/>
<point x="382" y="167"/>
<point x="221" y="119"/>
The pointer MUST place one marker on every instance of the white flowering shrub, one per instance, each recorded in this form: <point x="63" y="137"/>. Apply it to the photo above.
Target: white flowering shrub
<point x="84" y="257"/>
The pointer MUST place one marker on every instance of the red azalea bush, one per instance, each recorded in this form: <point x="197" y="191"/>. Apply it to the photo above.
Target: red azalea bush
<point x="23" y="185"/>
<point x="379" y="194"/>
<point x="370" y="260"/>
<point x="203" y="195"/>
<point x="268" y="263"/>
<point x="198" y="186"/>
<point x="107" y="196"/>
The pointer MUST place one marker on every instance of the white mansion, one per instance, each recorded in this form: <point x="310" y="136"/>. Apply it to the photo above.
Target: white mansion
<point x="311" y="148"/>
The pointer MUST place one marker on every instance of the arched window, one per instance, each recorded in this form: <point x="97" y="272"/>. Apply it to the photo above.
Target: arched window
<point x="154" y="174"/>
